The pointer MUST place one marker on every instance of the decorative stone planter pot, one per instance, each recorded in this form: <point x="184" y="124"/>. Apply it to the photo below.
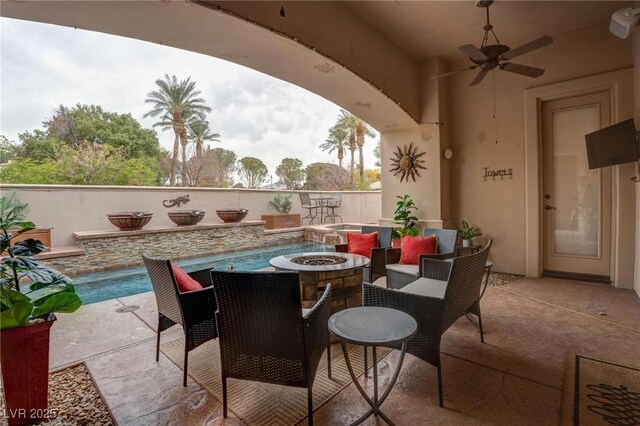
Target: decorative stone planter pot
<point x="25" y="372"/>
<point x="232" y="215"/>
<point x="281" y="221"/>
<point x="129" y="221"/>
<point x="467" y="243"/>
<point x="186" y="217"/>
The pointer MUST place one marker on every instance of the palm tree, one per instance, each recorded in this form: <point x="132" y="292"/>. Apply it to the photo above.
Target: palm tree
<point x="356" y="128"/>
<point x="199" y="132"/>
<point x="176" y="102"/>
<point x="336" y="141"/>
<point x="362" y="129"/>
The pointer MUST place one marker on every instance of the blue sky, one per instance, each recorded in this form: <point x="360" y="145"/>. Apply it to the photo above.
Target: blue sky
<point x="43" y="66"/>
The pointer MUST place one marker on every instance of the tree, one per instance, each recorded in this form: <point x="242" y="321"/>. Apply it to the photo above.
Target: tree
<point x="336" y="141"/>
<point x="377" y="153"/>
<point x="252" y="171"/>
<point x="30" y="172"/>
<point x="199" y="132"/>
<point x="370" y="176"/>
<point x="176" y="102"/>
<point x="214" y="168"/>
<point x="87" y="164"/>
<point x="356" y="128"/>
<point x="37" y="146"/>
<point x="223" y="166"/>
<point x="86" y="145"/>
<point x="326" y="177"/>
<point x="90" y="123"/>
<point x="290" y="173"/>
<point x="8" y="150"/>
<point x="96" y="164"/>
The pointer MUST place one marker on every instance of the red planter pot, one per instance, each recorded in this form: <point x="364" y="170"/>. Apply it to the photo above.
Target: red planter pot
<point x="396" y="243"/>
<point x="25" y="372"/>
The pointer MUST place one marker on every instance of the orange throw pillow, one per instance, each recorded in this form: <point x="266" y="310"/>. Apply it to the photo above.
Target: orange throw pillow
<point x="361" y="243"/>
<point x="413" y="247"/>
<point x="184" y="281"/>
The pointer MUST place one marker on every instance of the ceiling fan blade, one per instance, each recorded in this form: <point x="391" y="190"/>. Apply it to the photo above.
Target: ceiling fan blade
<point x="473" y="52"/>
<point x="447" y="74"/>
<point x="529" y="47"/>
<point x="522" y="69"/>
<point x="479" y="77"/>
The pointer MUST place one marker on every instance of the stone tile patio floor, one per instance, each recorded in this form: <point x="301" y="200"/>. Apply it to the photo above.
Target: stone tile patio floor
<point x="515" y="378"/>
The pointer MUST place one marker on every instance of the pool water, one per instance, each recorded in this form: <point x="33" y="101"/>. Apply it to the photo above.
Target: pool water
<point x="101" y="286"/>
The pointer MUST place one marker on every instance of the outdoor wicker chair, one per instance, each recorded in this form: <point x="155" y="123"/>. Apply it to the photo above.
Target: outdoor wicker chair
<point x="376" y="268"/>
<point x="264" y="335"/>
<point x="399" y="275"/>
<point x="450" y="289"/>
<point x="194" y="310"/>
<point x="310" y="205"/>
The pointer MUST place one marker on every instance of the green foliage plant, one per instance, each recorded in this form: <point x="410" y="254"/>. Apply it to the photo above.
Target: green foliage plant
<point x="29" y="291"/>
<point x="281" y="203"/>
<point x="469" y="232"/>
<point x="405" y="215"/>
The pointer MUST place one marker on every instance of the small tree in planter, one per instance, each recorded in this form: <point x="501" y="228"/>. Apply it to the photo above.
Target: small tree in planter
<point x="29" y="295"/>
<point x="404" y="215"/>
<point x="468" y="233"/>
<point x="282" y="204"/>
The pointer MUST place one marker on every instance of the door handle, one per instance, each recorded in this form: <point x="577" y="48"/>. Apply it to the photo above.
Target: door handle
<point x="549" y="207"/>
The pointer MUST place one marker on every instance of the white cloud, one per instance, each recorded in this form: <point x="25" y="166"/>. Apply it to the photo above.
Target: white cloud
<point x="43" y="66"/>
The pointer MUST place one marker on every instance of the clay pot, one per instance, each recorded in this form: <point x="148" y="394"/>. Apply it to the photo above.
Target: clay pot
<point x="232" y="215"/>
<point x="129" y="221"/>
<point x="186" y="217"/>
<point x="25" y="372"/>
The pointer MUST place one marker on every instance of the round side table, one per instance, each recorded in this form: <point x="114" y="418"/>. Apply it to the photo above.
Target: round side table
<point x="373" y="326"/>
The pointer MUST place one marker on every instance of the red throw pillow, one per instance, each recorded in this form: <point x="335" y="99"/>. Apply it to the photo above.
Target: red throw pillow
<point x="361" y="243"/>
<point x="184" y="281"/>
<point x="413" y="247"/>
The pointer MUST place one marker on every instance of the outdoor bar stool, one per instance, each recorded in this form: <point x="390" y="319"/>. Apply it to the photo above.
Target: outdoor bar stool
<point x="306" y="202"/>
<point x="334" y="203"/>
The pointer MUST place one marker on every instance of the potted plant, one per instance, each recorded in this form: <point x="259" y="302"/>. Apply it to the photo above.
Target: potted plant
<point x="468" y="233"/>
<point x="282" y="205"/>
<point x="404" y="215"/>
<point x="29" y="295"/>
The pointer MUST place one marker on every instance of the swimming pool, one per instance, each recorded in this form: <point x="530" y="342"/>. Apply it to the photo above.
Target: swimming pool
<point x="101" y="286"/>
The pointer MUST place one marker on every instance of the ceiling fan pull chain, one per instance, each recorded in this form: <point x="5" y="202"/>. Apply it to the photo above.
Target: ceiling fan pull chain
<point x="495" y="108"/>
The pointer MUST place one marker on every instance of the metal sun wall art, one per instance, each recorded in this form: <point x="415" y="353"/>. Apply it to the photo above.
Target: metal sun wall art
<point x="406" y="162"/>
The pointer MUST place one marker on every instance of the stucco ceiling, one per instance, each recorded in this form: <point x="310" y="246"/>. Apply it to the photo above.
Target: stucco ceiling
<point x="436" y="28"/>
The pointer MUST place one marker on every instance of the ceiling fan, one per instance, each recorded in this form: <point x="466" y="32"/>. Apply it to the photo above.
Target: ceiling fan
<point x="491" y="56"/>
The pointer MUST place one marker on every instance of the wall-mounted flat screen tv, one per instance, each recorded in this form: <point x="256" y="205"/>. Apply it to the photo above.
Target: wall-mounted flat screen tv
<point x="612" y="145"/>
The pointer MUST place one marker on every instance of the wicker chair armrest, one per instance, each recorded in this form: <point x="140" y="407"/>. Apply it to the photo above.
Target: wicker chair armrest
<point x="378" y="262"/>
<point x="427" y="311"/>
<point x="392" y="255"/>
<point x="440" y="256"/>
<point x="341" y="248"/>
<point x="198" y="305"/>
<point x="316" y="328"/>
<point x="203" y="276"/>
<point x="434" y="268"/>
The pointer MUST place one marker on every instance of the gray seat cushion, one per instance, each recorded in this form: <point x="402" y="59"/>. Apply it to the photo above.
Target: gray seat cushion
<point x="404" y="269"/>
<point x="426" y="287"/>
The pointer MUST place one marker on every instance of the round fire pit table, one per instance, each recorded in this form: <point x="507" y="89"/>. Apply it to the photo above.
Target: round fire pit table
<point x="317" y="269"/>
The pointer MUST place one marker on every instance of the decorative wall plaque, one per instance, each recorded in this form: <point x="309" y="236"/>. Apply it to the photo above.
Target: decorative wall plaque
<point x="406" y="162"/>
<point x="499" y="173"/>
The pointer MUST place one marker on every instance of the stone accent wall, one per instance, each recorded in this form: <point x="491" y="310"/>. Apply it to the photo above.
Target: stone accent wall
<point x="124" y="249"/>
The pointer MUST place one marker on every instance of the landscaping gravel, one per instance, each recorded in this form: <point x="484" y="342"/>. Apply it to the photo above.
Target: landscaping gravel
<point x="73" y="399"/>
<point x="499" y="279"/>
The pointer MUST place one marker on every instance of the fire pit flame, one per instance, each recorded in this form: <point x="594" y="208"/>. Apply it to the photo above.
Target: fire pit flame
<point x="318" y="260"/>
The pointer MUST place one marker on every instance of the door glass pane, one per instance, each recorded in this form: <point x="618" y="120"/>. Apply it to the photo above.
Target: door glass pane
<point x="576" y="189"/>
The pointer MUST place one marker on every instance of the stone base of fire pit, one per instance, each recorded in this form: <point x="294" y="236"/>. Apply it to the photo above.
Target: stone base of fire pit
<point x="342" y="270"/>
